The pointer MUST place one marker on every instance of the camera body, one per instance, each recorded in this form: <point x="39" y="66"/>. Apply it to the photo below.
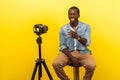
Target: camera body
<point x="40" y="29"/>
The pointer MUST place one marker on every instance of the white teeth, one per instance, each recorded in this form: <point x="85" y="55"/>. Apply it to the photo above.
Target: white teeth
<point x="72" y="19"/>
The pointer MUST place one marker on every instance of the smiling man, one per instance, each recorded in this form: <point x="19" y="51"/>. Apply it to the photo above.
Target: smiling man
<point x="74" y="39"/>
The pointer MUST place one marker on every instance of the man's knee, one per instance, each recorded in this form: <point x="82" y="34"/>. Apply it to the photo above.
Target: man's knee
<point x="55" y="64"/>
<point x="91" y="66"/>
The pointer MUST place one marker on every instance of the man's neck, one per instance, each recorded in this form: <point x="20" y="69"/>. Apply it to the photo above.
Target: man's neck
<point x="73" y="25"/>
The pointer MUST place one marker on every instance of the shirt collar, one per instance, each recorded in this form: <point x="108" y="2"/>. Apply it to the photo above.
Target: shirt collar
<point x="78" y="26"/>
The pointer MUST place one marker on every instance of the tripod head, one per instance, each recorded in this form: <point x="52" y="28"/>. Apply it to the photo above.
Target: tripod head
<point x="39" y="40"/>
<point x="39" y="29"/>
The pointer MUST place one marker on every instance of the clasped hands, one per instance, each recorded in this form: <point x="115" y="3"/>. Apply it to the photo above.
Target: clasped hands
<point x="75" y="62"/>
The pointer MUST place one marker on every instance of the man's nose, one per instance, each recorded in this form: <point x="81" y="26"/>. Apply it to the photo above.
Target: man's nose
<point x="72" y="16"/>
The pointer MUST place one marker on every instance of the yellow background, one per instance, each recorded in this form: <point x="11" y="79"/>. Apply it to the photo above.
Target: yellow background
<point x="18" y="47"/>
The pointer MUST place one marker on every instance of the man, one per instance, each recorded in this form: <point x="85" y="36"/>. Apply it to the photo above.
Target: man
<point x="74" y="39"/>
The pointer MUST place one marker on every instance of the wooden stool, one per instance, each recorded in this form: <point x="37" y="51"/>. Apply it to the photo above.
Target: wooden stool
<point x="75" y="72"/>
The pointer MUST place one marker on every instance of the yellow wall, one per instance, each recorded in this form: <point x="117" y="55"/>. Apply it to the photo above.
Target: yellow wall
<point x="18" y="47"/>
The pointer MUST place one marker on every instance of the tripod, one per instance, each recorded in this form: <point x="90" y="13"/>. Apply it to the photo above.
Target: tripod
<point x="39" y="63"/>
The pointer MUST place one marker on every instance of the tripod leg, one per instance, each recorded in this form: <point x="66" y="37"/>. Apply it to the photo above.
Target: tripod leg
<point x="34" y="72"/>
<point x="40" y="71"/>
<point x="46" y="68"/>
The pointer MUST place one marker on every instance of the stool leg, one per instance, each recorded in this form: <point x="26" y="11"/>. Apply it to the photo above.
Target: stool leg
<point x="76" y="73"/>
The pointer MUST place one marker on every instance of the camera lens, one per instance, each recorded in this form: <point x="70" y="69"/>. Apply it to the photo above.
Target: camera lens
<point x="44" y="29"/>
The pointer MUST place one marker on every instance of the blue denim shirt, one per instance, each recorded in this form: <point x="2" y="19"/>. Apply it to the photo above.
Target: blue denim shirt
<point x="83" y="30"/>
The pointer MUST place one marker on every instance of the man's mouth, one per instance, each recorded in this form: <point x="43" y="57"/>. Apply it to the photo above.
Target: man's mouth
<point x="72" y="19"/>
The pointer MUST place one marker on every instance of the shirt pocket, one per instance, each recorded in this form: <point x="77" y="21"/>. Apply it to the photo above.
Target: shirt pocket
<point x="81" y="32"/>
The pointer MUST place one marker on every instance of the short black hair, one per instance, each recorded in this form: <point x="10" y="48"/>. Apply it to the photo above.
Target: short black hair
<point x="74" y="7"/>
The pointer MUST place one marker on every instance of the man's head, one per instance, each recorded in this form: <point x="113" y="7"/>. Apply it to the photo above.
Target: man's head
<point x="73" y="14"/>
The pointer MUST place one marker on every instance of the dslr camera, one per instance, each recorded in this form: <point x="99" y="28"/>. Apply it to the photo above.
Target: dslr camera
<point x="40" y="29"/>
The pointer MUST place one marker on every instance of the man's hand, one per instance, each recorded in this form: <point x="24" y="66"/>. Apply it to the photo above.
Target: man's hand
<point x="73" y="34"/>
<point x="75" y="62"/>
